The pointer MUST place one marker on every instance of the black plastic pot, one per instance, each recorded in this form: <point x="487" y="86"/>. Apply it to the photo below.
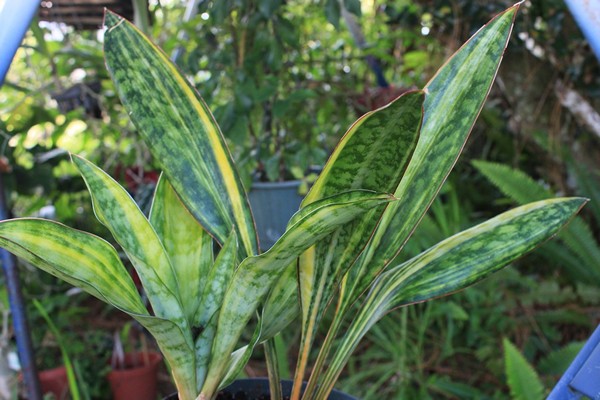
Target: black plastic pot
<point x="258" y="389"/>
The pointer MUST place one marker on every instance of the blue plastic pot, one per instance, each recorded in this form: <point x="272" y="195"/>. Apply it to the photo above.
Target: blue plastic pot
<point x="273" y="204"/>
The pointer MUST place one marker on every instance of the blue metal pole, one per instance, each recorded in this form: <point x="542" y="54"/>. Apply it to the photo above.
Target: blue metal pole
<point x="15" y="17"/>
<point x="587" y="16"/>
<point x="17" y="309"/>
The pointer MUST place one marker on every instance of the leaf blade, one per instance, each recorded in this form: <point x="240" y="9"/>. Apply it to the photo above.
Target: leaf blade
<point x="255" y="275"/>
<point x="80" y="258"/>
<point x="453" y="264"/>
<point x="187" y="244"/>
<point x="182" y="134"/>
<point x="115" y="209"/>
<point x="454" y="98"/>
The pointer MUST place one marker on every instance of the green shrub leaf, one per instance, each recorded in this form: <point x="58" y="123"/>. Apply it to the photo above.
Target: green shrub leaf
<point x="523" y="381"/>
<point x="256" y="275"/>
<point x="453" y="100"/>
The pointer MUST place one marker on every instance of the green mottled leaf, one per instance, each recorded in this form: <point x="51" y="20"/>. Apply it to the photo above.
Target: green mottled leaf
<point x="523" y="381"/>
<point x="372" y="155"/>
<point x="187" y="244"/>
<point x="180" y="132"/>
<point x="454" y="264"/>
<point x="218" y="279"/>
<point x="282" y="304"/>
<point x="453" y="100"/>
<point x="255" y="275"/>
<point x="120" y="214"/>
<point x="206" y="320"/>
<point x="174" y="343"/>
<point x="578" y="236"/>
<point x="90" y="263"/>
<point x="79" y="258"/>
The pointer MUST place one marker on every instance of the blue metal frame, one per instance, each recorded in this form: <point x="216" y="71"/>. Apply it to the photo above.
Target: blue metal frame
<point x="582" y="378"/>
<point x="587" y="16"/>
<point x="15" y="17"/>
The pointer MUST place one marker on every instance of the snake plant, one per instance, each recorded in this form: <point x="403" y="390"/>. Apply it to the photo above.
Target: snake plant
<point x="337" y="250"/>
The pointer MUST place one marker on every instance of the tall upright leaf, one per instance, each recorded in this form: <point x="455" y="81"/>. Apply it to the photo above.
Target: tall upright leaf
<point x="372" y="155"/>
<point x="120" y="214"/>
<point x="180" y="132"/>
<point x="454" y="98"/>
<point x="256" y="275"/>
<point x="186" y="243"/>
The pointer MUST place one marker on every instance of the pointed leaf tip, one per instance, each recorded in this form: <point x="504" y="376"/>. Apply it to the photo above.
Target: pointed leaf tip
<point x="111" y="19"/>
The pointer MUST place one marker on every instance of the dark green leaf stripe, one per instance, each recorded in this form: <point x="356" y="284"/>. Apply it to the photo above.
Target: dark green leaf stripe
<point x="255" y="275"/>
<point x="372" y="155"/>
<point x="82" y="259"/>
<point x="180" y="132"/>
<point x="218" y="279"/>
<point x="522" y="189"/>
<point x="188" y="245"/>
<point x="454" y="98"/>
<point x="90" y="263"/>
<point x="456" y="263"/>
<point x="120" y="214"/>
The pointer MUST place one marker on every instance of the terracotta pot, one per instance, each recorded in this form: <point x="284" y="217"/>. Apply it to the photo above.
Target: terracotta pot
<point x="54" y="381"/>
<point x="137" y="381"/>
<point x="258" y="389"/>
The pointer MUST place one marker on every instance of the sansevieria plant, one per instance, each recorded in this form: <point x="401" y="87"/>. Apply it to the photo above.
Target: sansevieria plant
<point x="338" y="249"/>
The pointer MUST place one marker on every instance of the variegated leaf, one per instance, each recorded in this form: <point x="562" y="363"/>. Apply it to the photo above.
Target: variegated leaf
<point x="188" y="246"/>
<point x="372" y="155"/>
<point x="174" y="343"/>
<point x="180" y="131"/>
<point x="282" y="304"/>
<point x="120" y="214"/>
<point x="218" y="279"/>
<point x="454" y="98"/>
<point x="255" y="275"/>
<point x="206" y="319"/>
<point x="452" y="265"/>
<point x="90" y="263"/>
<point x="79" y="258"/>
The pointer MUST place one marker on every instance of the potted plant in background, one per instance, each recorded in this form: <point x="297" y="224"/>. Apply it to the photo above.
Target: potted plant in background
<point x="342" y="241"/>
<point x="133" y="374"/>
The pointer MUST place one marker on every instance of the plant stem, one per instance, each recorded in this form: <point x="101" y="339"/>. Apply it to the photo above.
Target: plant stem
<point x="273" y="369"/>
